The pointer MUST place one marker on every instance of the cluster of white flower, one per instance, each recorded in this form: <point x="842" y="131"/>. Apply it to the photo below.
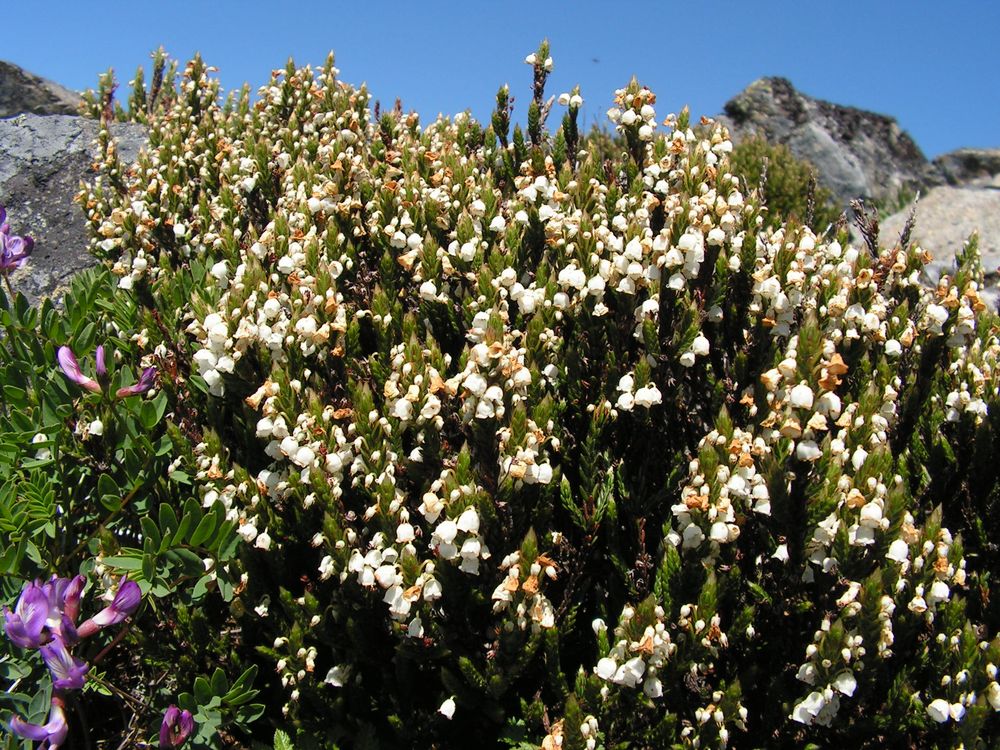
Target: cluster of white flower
<point x="546" y="63"/>
<point x="724" y="481"/>
<point x="522" y="588"/>
<point x="640" y="653"/>
<point x="629" y="397"/>
<point x="522" y="460"/>
<point x="630" y="663"/>
<point x="928" y="577"/>
<point x="381" y="566"/>
<point x="718" y="718"/>
<point x="232" y="491"/>
<point x="634" y="112"/>
<point x="494" y="373"/>
<point x="294" y="667"/>
<point x="641" y="648"/>
<point x="975" y="352"/>
<point x="556" y="736"/>
<point x="828" y="668"/>
<point x="964" y="695"/>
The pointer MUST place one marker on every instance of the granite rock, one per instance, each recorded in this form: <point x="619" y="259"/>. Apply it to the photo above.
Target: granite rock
<point x="43" y="160"/>
<point x="21" y="91"/>
<point x="969" y="166"/>
<point x="946" y="216"/>
<point x="857" y="154"/>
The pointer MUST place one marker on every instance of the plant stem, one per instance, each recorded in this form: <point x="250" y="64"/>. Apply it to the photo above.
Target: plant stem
<point x="114" y="642"/>
<point x="113" y="515"/>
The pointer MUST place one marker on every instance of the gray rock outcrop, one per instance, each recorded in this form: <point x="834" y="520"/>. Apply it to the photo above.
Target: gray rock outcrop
<point x="969" y="166"/>
<point x="945" y="218"/>
<point x="857" y="154"/>
<point x="21" y="91"/>
<point x="42" y="162"/>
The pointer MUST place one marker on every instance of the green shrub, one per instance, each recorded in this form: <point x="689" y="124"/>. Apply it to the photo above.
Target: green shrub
<point x="525" y="446"/>
<point x="790" y="189"/>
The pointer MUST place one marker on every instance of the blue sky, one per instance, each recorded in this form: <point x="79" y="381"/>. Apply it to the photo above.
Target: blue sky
<point x="932" y="65"/>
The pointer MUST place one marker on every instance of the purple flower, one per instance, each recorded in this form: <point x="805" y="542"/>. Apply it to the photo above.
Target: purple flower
<point x="69" y="595"/>
<point x="45" y="611"/>
<point x="146" y="381"/>
<point x="176" y="727"/>
<point x="69" y="365"/>
<point x="68" y="672"/>
<point x="25" y="624"/>
<point x="54" y="733"/>
<point x="102" y="369"/>
<point x="14" y="250"/>
<point x="126" y="601"/>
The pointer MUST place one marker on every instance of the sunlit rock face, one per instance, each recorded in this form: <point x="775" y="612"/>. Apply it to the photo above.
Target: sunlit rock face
<point x="42" y="161"/>
<point x="857" y="154"/>
<point x="21" y="91"/>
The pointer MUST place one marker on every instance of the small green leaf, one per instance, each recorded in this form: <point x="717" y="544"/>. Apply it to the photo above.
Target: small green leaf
<point x="204" y="530"/>
<point x="164" y="446"/>
<point x="187" y="560"/>
<point x="151" y="531"/>
<point x="202" y="690"/>
<point x="122" y="562"/>
<point x="151" y="412"/>
<point x="246" y="679"/>
<point x="109" y="492"/>
<point x="187" y="702"/>
<point x="168" y="519"/>
<point x="181" y="477"/>
<point x="220" y="684"/>
<point x="149" y="567"/>
<point x="250" y="713"/>
<point x="759" y="592"/>
<point x="201" y="587"/>
<point x="282" y="741"/>
<point x="192" y="516"/>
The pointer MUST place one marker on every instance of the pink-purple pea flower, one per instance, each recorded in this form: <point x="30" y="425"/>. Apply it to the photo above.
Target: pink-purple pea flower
<point x="71" y="367"/>
<point x="146" y="381"/>
<point x="45" y="618"/>
<point x="68" y="672"/>
<point x="52" y="734"/>
<point x="176" y="727"/>
<point x="45" y="611"/>
<point x="126" y="601"/>
<point x="14" y="250"/>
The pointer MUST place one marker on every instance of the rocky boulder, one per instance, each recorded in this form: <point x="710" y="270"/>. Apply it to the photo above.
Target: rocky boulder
<point x="969" y="166"/>
<point x="21" y="91"/>
<point x="857" y="154"/>
<point x="946" y="216"/>
<point x="42" y="162"/>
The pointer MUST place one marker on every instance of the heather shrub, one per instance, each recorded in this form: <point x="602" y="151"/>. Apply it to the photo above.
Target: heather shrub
<point x="461" y="433"/>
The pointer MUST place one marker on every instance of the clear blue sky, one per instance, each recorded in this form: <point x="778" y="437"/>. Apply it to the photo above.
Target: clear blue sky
<point x="932" y="65"/>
